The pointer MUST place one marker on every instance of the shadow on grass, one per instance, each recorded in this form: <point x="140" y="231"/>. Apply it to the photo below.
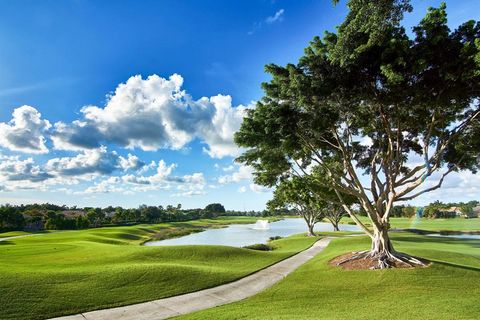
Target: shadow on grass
<point x="6" y="242"/>
<point x="453" y="265"/>
<point x="474" y="243"/>
<point x="442" y="232"/>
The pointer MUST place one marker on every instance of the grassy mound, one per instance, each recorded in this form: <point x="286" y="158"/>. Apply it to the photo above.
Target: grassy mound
<point x="448" y="289"/>
<point x="76" y="271"/>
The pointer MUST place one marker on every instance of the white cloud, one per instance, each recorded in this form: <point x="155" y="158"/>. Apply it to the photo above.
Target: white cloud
<point x="154" y="113"/>
<point x="130" y="178"/>
<point x="105" y="186"/>
<point x="13" y="169"/>
<point x="189" y="193"/>
<point x="96" y="161"/>
<point x="277" y="17"/>
<point x="25" y="132"/>
<point x="218" y="132"/>
<point x="366" y="141"/>
<point x="163" y="171"/>
<point x="242" y="189"/>
<point x="243" y="173"/>
<point x="229" y="168"/>
<point x="193" y="184"/>
<point x="77" y="136"/>
<point x="258" y="189"/>
<point x="132" y="162"/>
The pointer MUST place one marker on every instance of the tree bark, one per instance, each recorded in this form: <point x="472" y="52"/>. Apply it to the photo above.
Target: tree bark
<point x="383" y="252"/>
<point x="335" y="226"/>
<point x="311" y="233"/>
<point x="381" y="244"/>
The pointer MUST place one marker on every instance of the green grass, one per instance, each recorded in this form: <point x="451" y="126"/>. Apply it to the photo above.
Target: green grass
<point x="69" y="272"/>
<point x="13" y="234"/>
<point x="448" y="289"/>
<point x="458" y="224"/>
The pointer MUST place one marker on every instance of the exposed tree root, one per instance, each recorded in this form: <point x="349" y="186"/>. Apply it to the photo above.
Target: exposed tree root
<point x="379" y="260"/>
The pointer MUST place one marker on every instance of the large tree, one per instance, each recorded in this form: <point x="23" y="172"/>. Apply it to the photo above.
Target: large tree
<point x="299" y="193"/>
<point x="312" y="198"/>
<point x="379" y="112"/>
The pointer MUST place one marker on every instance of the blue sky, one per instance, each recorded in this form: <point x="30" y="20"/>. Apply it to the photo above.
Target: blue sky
<point x="66" y="60"/>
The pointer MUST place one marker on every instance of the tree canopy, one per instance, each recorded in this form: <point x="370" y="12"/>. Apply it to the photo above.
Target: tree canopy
<point x="396" y="109"/>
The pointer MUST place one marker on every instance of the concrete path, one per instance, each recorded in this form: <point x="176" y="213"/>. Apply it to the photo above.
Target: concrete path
<point x="208" y="298"/>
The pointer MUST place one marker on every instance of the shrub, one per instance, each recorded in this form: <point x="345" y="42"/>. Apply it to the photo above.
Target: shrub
<point x="259" y="246"/>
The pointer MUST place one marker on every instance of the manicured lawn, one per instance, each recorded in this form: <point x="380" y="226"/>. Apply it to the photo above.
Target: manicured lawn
<point x="13" y="234"/>
<point x="74" y="271"/>
<point x="458" y="224"/>
<point x="448" y="289"/>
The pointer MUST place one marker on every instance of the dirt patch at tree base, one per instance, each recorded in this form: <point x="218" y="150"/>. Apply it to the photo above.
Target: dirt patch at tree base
<point x="367" y="263"/>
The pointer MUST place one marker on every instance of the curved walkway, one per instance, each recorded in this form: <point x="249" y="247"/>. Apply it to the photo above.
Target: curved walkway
<point x="208" y="298"/>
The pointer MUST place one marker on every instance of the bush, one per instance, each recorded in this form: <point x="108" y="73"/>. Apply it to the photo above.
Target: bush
<point x="259" y="246"/>
<point x="275" y="238"/>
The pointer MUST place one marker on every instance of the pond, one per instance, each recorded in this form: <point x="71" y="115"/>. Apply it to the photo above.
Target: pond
<point x="458" y="236"/>
<point x="240" y="235"/>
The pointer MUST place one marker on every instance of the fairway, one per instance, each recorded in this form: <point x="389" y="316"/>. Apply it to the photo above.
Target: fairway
<point x="456" y="224"/>
<point x="69" y="272"/>
<point x="448" y="289"/>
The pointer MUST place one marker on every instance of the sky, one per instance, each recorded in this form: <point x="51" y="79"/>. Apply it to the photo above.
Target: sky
<point x="136" y="102"/>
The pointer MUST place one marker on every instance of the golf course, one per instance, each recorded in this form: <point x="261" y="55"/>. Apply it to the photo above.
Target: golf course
<point x="240" y="160"/>
<point x="58" y="273"/>
<point x="66" y="272"/>
<point x="318" y="290"/>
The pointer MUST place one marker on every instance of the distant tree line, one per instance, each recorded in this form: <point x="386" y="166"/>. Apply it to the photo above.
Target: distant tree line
<point x="439" y="209"/>
<point x="47" y="216"/>
<point x="263" y="213"/>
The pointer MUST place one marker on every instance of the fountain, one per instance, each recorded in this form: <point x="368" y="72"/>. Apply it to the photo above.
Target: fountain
<point x="261" y="225"/>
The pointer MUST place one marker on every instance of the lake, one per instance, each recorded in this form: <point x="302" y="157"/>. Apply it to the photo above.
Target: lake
<point x="240" y="235"/>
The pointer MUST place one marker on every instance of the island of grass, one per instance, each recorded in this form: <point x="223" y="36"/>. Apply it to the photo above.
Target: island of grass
<point x="68" y="272"/>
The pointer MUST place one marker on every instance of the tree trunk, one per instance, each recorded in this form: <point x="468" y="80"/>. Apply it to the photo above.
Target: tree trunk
<point x="335" y="226"/>
<point x="311" y="233"/>
<point x="381" y="245"/>
<point x="383" y="252"/>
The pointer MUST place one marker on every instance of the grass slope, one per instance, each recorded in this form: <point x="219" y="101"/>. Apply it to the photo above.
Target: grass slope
<point x="448" y="289"/>
<point x="75" y="271"/>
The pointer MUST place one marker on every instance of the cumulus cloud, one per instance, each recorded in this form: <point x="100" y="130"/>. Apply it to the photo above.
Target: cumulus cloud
<point x="189" y="194"/>
<point x="218" y="132"/>
<point x="131" y="162"/>
<point x="14" y="169"/>
<point x="105" y="186"/>
<point x="163" y="179"/>
<point x="191" y="185"/>
<point x="25" y="132"/>
<point x="151" y="114"/>
<point x="229" y="168"/>
<point x="258" y="189"/>
<point x="77" y="136"/>
<point x="96" y="161"/>
<point x="243" y="173"/>
<point x="98" y="169"/>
